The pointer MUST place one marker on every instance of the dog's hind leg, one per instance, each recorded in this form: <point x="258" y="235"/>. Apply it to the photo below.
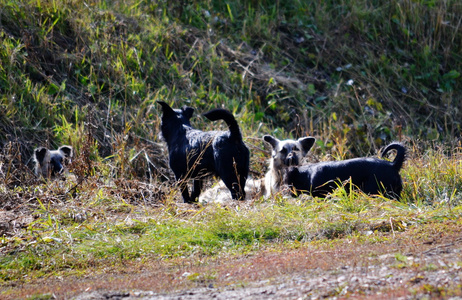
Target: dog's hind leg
<point x="237" y="192"/>
<point x="233" y="175"/>
<point x="372" y="187"/>
<point x="389" y="187"/>
<point x="240" y="186"/>
<point x="183" y="185"/>
<point x="235" y="185"/>
<point x="196" y="190"/>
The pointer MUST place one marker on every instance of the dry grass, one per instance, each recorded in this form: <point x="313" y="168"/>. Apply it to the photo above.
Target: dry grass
<point x="137" y="235"/>
<point x="355" y="75"/>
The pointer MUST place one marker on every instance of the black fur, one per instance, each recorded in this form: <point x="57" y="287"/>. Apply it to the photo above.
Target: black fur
<point x="195" y="154"/>
<point x="371" y="175"/>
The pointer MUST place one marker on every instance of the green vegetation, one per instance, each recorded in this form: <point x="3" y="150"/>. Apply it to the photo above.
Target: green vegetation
<point x="362" y="72"/>
<point x="108" y="225"/>
<point x="58" y="242"/>
<point x="354" y="74"/>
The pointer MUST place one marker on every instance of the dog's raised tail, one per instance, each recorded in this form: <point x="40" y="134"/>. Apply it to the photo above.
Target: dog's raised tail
<point x="225" y="115"/>
<point x="400" y="154"/>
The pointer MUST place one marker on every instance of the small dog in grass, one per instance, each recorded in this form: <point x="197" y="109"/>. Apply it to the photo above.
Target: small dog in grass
<point x="50" y="163"/>
<point x="371" y="175"/>
<point x="284" y="154"/>
<point x="196" y="154"/>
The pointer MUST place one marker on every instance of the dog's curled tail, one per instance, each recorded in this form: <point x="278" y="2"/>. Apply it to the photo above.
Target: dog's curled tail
<point x="223" y="114"/>
<point x="400" y="154"/>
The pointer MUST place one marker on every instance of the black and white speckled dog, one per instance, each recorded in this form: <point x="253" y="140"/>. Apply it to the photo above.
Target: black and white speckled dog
<point x="50" y="163"/>
<point x="284" y="154"/>
<point x="196" y="154"/>
<point x="371" y="175"/>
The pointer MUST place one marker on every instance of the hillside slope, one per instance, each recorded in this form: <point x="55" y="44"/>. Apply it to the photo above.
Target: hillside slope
<point x="362" y="72"/>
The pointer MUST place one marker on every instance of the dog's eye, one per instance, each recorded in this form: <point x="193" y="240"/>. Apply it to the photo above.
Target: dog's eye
<point x="283" y="151"/>
<point x="295" y="149"/>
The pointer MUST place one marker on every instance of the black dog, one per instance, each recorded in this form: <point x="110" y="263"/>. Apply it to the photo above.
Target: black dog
<point x="371" y="175"/>
<point x="49" y="163"/>
<point x="195" y="154"/>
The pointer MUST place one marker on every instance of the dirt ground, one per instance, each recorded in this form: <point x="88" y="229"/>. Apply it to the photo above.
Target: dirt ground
<point x="422" y="262"/>
<point x="405" y="267"/>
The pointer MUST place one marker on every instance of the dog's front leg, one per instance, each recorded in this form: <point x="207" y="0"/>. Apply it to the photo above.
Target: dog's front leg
<point x="196" y="190"/>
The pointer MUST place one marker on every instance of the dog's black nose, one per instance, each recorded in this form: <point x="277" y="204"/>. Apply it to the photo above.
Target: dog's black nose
<point x="291" y="159"/>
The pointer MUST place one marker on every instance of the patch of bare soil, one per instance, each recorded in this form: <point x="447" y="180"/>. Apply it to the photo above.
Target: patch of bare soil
<point x="424" y="262"/>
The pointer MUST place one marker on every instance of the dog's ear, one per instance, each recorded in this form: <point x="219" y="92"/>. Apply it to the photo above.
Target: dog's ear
<point x="307" y="143"/>
<point x="187" y="112"/>
<point x="67" y="151"/>
<point x="271" y="140"/>
<point x="166" y="108"/>
<point x="40" y="154"/>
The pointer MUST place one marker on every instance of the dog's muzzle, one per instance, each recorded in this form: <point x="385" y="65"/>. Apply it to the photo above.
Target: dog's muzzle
<point x="291" y="159"/>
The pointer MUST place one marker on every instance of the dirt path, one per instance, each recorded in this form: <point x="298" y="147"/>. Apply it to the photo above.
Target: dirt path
<point x="404" y="267"/>
<point x="385" y="278"/>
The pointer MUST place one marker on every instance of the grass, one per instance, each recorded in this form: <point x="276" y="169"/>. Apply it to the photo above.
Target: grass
<point x="354" y="74"/>
<point x="107" y="63"/>
<point x="115" y="228"/>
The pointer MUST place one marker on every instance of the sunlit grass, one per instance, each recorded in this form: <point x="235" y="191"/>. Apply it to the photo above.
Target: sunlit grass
<point x="264" y="61"/>
<point x="113" y="231"/>
<point x="354" y="74"/>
